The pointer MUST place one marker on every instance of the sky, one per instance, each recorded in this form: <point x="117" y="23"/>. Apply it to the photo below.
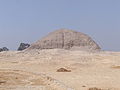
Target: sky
<point x="28" y="20"/>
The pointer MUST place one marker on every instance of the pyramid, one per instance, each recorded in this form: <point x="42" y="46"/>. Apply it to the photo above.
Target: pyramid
<point x="65" y="39"/>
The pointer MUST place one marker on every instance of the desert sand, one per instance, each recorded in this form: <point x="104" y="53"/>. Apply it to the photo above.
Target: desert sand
<point x="40" y="70"/>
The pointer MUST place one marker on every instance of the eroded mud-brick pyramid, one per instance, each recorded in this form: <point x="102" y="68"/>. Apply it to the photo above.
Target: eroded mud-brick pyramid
<point x="65" y="39"/>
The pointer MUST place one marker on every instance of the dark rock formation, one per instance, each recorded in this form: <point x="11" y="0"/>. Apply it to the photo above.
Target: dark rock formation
<point x="1" y="49"/>
<point x="23" y="46"/>
<point x="4" y="49"/>
<point x="65" y="39"/>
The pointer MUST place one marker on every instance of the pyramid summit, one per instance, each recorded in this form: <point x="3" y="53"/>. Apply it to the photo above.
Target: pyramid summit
<point x="65" y="39"/>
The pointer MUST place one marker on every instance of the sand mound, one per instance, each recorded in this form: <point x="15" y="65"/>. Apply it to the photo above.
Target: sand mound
<point x="65" y="39"/>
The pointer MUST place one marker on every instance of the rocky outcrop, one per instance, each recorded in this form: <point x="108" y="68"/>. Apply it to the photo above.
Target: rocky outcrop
<point x="63" y="70"/>
<point x="4" y="49"/>
<point x="66" y="39"/>
<point x="23" y="46"/>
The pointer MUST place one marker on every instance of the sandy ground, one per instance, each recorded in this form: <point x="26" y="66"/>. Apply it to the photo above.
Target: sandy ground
<point x="37" y="70"/>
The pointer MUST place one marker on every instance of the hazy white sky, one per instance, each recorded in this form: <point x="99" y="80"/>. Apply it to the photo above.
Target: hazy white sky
<point x="29" y="20"/>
